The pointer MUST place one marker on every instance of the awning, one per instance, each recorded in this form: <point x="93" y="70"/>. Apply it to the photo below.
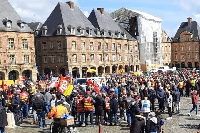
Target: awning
<point x="91" y="71"/>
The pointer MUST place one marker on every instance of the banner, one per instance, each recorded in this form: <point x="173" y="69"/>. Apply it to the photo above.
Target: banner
<point x="68" y="91"/>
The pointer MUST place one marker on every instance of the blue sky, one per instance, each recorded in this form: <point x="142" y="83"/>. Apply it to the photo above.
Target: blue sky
<point x="172" y="12"/>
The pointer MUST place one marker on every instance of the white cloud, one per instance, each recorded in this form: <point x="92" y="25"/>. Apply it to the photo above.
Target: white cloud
<point x="35" y="10"/>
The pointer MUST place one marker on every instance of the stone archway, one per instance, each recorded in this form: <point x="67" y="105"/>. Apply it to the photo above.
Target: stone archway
<point x="177" y="65"/>
<point x="27" y="74"/>
<point x="196" y="65"/>
<point x="107" y="69"/>
<point x="182" y="64"/>
<point x="100" y="70"/>
<point x="13" y="75"/>
<point x="47" y="71"/>
<point x="75" y="72"/>
<point x="2" y="75"/>
<point x="126" y="68"/>
<point x="84" y="71"/>
<point x="189" y="65"/>
<point x="62" y="72"/>
<point x="114" y="69"/>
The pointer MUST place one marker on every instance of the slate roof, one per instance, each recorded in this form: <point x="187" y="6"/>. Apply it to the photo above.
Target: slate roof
<point x="64" y="17"/>
<point x="8" y="13"/>
<point x="103" y="21"/>
<point x="192" y="27"/>
<point x="35" y="25"/>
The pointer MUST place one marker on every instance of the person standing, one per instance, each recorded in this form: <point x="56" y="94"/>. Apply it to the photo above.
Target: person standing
<point x="113" y="109"/>
<point x="16" y="106"/>
<point x="39" y="106"/>
<point x="47" y="98"/>
<point x="194" y="102"/>
<point x="169" y="105"/>
<point x="88" y="103"/>
<point x="138" y="124"/>
<point x="161" y="98"/>
<point x="99" y="108"/>
<point x="129" y="100"/>
<point x="3" y="119"/>
<point x="152" y="126"/>
<point x="80" y="109"/>
<point x="145" y="108"/>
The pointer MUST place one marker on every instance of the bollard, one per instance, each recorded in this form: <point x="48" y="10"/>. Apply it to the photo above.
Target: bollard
<point x="162" y="130"/>
<point x="100" y="127"/>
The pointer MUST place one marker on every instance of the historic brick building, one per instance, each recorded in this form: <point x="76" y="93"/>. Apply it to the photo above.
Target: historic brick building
<point x="17" y="51"/>
<point x="71" y="42"/>
<point x="185" y="45"/>
<point x="166" y="48"/>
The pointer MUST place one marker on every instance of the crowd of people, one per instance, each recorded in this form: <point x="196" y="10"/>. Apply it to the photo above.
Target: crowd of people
<point x="121" y="97"/>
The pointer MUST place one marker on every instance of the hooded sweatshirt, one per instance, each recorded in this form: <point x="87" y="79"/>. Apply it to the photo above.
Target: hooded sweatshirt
<point x="152" y="125"/>
<point x="138" y="124"/>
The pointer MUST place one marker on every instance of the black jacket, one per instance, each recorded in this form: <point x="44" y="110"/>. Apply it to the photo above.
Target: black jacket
<point x="16" y="104"/>
<point x="152" y="125"/>
<point x="138" y="124"/>
<point x="3" y="117"/>
<point x="39" y="104"/>
<point x="113" y="105"/>
<point x="99" y="105"/>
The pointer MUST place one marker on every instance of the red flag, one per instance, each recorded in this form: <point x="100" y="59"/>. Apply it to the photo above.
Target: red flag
<point x="2" y="85"/>
<point x="61" y="77"/>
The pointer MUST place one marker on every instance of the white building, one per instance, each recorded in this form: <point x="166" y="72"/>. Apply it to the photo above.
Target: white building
<point x="147" y="29"/>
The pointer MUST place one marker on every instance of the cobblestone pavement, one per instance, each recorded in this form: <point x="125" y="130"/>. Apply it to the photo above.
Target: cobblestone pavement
<point x="178" y="124"/>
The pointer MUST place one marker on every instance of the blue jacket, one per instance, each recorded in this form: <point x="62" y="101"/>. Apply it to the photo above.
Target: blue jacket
<point x="160" y="94"/>
<point x="176" y="95"/>
<point x="114" y="105"/>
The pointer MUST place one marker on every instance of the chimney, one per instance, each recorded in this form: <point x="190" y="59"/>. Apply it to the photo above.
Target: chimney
<point x="189" y="20"/>
<point x="101" y="10"/>
<point x="71" y="4"/>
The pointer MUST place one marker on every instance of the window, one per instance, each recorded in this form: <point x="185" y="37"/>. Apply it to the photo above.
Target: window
<point x="131" y="48"/>
<point x="182" y="57"/>
<point x="59" y="45"/>
<point x="196" y="48"/>
<point x="107" y="57"/>
<point x="119" y="57"/>
<point x="92" y="57"/>
<point x="126" y="58"/>
<point x="44" y="46"/>
<point x="113" y="46"/>
<point x="99" y="45"/>
<point x="131" y="58"/>
<point x="11" y="43"/>
<point x="106" y="47"/>
<point x="45" y="59"/>
<point x="74" y="58"/>
<point x="83" y="45"/>
<point x="189" y="48"/>
<point x="9" y="25"/>
<point x="82" y="31"/>
<point x="100" y="57"/>
<point x="175" y="49"/>
<point x="73" y="30"/>
<point x="73" y="45"/>
<point x="26" y="59"/>
<point x="119" y="47"/>
<point x="22" y="25"/>
<point x="113" y="57"/>
<point x="53" y="58"/>
<point x="91" y="46"/>
<point x="176" y="56"/>
<point x="83" y="58"/>
<point x="136" y="48"/>
<point x="51" y="45"/>
<point x="196" y="56"/>
<point x="137" y="58"/>
<point x="12" y="59"/>
<point x="60" y="59"/>
<point x="25" y="43"/>
<point x="189" y="56"/>
<point x="125" y="47"/>
<point x="181" y="48"/>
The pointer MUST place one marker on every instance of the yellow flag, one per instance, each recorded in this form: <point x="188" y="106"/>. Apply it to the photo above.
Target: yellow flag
<point x="68" y="91"/>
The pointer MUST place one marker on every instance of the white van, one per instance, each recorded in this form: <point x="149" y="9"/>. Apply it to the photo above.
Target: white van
<point x="83" y="81"/>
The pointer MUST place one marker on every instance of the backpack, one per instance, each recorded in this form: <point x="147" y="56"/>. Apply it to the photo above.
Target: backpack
<point x="3" y="117"/>
<point x="160" y="122"/>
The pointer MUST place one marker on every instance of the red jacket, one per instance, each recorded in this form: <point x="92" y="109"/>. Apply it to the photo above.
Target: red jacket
<point x="194" y="98"/>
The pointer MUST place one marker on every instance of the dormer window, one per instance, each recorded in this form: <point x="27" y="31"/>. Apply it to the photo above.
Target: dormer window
<point x="89" y="31"/>
<point x="81" y="30"/>
<point x="8" y="24"/>
<point x="103" y="32"/>
<point x="123" y="35"/>
<point x="59" y="29"/>
<point x="21" y="24"/>
<point x="44" y="30"/>
<point x="73" y="30"/>
<point x="117" y="34"/>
